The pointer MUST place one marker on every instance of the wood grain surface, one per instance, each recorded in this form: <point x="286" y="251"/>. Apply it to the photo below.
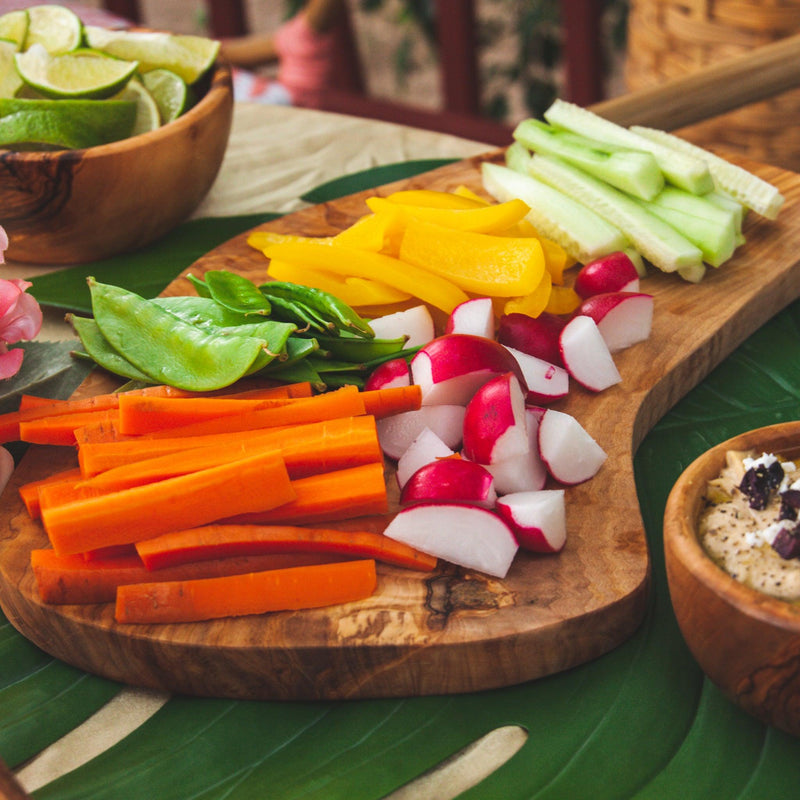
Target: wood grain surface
<point x="455" y="630"/>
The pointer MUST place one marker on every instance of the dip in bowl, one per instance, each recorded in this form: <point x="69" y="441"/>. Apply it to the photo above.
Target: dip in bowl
<point x="746" y="640"/>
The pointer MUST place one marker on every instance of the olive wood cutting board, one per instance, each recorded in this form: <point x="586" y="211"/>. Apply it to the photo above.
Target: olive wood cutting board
<point x="453" y="630"/>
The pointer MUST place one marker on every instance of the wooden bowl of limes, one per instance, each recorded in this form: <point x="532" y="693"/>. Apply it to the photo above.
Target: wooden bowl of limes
<point x="745" y="639"/>
<point x="98" y="157"/>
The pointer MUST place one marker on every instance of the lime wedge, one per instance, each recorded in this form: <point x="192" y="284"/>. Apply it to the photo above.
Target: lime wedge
<point x="187" y="56"/>
<point x="10" y="80"/>
<point x="148" y="117"/>
<point x="58" y="29"/>
<point x="82" y="73"/>
<point x="63" y="124"/>
<point x="14" y="27"/>
<point x="169" y="91"/>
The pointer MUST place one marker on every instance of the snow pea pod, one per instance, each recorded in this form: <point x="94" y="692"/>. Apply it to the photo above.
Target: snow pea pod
<point x="354" y="348"/>
<point x="324" y="304"/>
<point x="236" y="293"/>
<point x="165" y="348"/>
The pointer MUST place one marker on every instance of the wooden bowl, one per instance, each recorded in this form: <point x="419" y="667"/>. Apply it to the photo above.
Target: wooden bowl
<point x="70" y="206"/>
<point x="745" y="641"/>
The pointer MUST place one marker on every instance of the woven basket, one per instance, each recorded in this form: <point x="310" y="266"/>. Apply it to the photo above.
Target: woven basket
<point x="669" y="39"/>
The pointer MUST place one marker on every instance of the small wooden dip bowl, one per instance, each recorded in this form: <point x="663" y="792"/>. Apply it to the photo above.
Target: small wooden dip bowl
<point x="70" y="206"/>
<point x="745" y="641"/>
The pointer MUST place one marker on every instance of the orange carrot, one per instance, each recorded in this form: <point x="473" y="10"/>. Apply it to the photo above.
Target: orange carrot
<point x="59" y="493"/>
<point x="385" y="402"/>
<point x="344" y="402"/>
<point x="29" y="492"/>
<point x="29" y="401"/>
<point x="327" y="497"/>
<point x="254" y="593"/>
<point x="72" y="579"/>
<point x="224" y="541"/>
<point x="334" y="444"/>
<point x="254" y="483"/>
<point x="99" y="431"/>
<point x="60" y="429"/>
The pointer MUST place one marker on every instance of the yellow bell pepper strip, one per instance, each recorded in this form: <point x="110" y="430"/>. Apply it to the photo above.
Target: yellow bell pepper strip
<point x="436" y="199"/>
<point x="353" y="291"/>
<point x="534" y="303"/>
<point x="379" y="233"/>
<point x="494" y="266"/>
<point x="465" y="193"/>
<point x="563" y="300"/>
<point x="489" y="219"/>
<point x="258" y="240"/>
<point x="350" y="261"/>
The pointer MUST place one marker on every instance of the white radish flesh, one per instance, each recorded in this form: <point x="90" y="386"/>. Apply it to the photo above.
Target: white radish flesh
<point x="538" y="519"/>
<point x="397" y="432"/>
<point x="546" y="382"/>
<point x="586" y="355"/>
<point x="475" y="317"/>
<point x="416" y="323"/>
<point x="389" y="375"/>
<point x="623" y="318"/>
<point x="568" y="451"/>
<point x="425" y="448"/>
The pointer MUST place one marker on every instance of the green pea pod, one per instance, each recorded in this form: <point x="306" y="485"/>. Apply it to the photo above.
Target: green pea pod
<point x="289" y="311"/>
<point x="236" y="293"/>
<point x="199" y="285"/>
<point x="325" y="304"/>
<point x="165" y="348"/>
<point x="297" y="349"/>
<point x="97" y="348"/>
<point x="351" y="348"/>
<point x="297" y="372"/>
<point x="327" y="365"/>
<point x="336" y="380"/>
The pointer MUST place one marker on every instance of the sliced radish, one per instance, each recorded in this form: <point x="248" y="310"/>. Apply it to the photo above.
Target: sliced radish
<point x="475" y="316"/>
<point x="396" y="433"/>
<point x="451" y="368"/>
<point x="546" y="382"/>
<point x="453" y="480"/>
<point x="538" y="519"/>
<point x="495" y="423"/>
<point x="525" y="472"/>
<point x="615" y="272"/>
<point x="469" y="536"/>
<point x="624" y="318"/>
<point x="570" y="454"/>
<point x="536" y="336"/>
<point x="586" y="355"/>
<point x="426" y="448"/>
<point x="415" y="322"/>
<point x="389" y="375"/>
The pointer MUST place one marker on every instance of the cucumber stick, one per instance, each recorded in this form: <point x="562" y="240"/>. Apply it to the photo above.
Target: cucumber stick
<point x="744" y="187"/>
<point x="582" y="233"/>
<point x="633" y="171"/>
<point x="657" y="241"/>
<point x="684" y="170"/>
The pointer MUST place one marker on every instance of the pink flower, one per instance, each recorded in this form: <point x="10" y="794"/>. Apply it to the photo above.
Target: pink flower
<point x="20" y="318"/>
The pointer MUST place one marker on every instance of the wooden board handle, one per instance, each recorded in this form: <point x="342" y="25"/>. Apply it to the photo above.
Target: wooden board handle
<point x="762" y="73"/>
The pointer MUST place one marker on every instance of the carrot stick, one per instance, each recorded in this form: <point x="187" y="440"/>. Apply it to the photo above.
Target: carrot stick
<point x="255" y="483"/>
<point x="99" y="431"/>
<point x="254" y="593"/>
<point x="29" y="401"/>
<point x="327" y="497"/>
<point x="72" y="579"/>
<point x="385" y="402"/>
<point x="60" y="429"/>
<point x="329" y="445"/>
<point x="62" y="492"/>
<point x="344" y="402"/>
<point x="29" y="492"/>
<point x="224" y="541"/>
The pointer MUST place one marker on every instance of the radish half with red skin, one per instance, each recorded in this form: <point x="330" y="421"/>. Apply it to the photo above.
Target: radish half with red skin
<point x="469" y="536"/>
<point x="546" y="382"/>
<point x="568" y="451"/>
<point x="623" y="318"/>
<point x="612" y="273"/>
<point x="453" y="480"/>
<point x="495" y="423"/>
<point x="536" y="336"/>
<point x="537" y="519"/>
<point x="416" y="323"/>
<point x="397" y="432"/>
<point x="451" y="368"/>
<point x="474" y="316"/>
<point x="427" y="447"/>
<point x="389" y="375"/>
<point x="586" y="355"/>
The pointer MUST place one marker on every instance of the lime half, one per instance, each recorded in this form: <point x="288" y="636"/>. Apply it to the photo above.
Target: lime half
<point x="10" y="80"/>
<point x="187" y="56"/>
<point x="80" y="74"/>
<point x="169" y="91"/>
<point x="14" y="27"/>
<point x="64" y="124"/>
<point x="148" y="117"/>
<point x="58" y="29"/>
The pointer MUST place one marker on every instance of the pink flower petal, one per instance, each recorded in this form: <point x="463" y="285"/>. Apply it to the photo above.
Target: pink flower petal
<point x="3" y="244"/>
<point x="22" y="321"/>
<point x="10" y="362"/>
<point x="9" y="292"/>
